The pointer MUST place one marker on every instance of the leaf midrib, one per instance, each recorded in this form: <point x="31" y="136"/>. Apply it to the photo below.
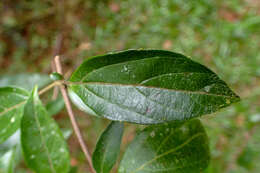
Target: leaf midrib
<point x="12" y="108"/>
<point x="152" y="87"/>
<point x="171" y="73"/>
<point x="104" y="156"/>
<point x="44" y="144"/>
<point x="122" y="107"/>
<point x="15" y="106"/>
<point x="169" y="151"/>
<point x="103" y="159"/>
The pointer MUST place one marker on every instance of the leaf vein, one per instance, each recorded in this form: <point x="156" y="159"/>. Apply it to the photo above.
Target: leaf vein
<point x="125" y="108"/>
<point x="43" y="142"/>
<point x="168" y="152"/>
<point x="12" y="107"/>
<point x="153" y="77"/>
<point x="137" y="85"/>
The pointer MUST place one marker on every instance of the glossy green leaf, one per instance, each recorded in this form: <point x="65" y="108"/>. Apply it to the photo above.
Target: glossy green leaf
<point x="44" y="147"/>
<point x="147" y="87"/>
<point x="175" y="147"/>
<point x="108" y="148"/>
<point x="25" y="80"/>
<point x="12" y="101"/>
<point x="56" y="76"/>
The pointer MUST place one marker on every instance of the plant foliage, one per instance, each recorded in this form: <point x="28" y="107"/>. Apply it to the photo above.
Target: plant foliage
<point x="164" y="90"/>
<point x="44" y="147"/>
<point x="148" y="87"/>
<point x="174" y="147"/>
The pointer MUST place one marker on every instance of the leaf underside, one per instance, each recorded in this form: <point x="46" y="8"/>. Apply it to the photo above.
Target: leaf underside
<point x="7" y="160"/>
<point x="25" y="80"/>
<point x="108" y="148"/>
<point x="12" y="101"/>
<point x="44" y="147"/>
<point x="147" y="87"/>
<point x="168" y="148"/>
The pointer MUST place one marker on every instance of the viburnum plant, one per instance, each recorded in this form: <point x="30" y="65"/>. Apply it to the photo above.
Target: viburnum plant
<point x="165" y="91"/>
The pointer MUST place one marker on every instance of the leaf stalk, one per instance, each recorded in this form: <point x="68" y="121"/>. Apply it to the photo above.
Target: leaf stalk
<point x="75" y="126"/>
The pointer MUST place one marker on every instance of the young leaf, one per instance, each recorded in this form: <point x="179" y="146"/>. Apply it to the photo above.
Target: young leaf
<point x="44" y="147"/>
<point x="168" y="148"/>
<point x="108" y="147"/>
<point x="25" y="80"/>
<point x="56" y="76"/>
<point x="12" y="101"/>
<point x="148" y="87"/>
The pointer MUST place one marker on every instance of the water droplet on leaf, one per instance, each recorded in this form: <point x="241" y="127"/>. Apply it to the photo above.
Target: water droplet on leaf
<point x="12" y="119"/>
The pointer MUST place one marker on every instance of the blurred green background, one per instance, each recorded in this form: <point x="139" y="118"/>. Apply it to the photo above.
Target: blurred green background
<point x="224" y="35"/>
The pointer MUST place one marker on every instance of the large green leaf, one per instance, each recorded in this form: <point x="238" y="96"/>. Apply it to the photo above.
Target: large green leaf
<point x="25" y="80"/>
<point x="168" y="148"/>
<point x="12" y="101"/>
<point x="44" y="147"/>
<point x="148" y="87"/>
<point x="108" y="148"/>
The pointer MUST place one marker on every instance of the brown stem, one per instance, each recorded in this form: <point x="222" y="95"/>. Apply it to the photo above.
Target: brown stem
<point x="72" y="116"/>
<point x="56" y="88"/>
<point x="48" y="87"/>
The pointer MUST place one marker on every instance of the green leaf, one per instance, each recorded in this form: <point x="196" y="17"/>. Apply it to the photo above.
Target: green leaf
<point x="66" y="132"/>
<point x="44" y="147"/>
<point x="10" y="153"/>
<point x="25" y="80"/>
<point x="55" y="106"/>
<point x="12" y="101"/>
<point x="56" y="76"/>
<point x="168" y="148"/>
<point x="147" y="87"/>
<point x="108" y="148"/>
<point x="8" y="161"/>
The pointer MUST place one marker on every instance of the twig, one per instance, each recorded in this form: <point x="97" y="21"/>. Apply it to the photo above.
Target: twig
<point x="72" y="116"/>
<point x="48" y="87"/>
<point x="40" y="93"/>
<point x="56" y="51"/>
